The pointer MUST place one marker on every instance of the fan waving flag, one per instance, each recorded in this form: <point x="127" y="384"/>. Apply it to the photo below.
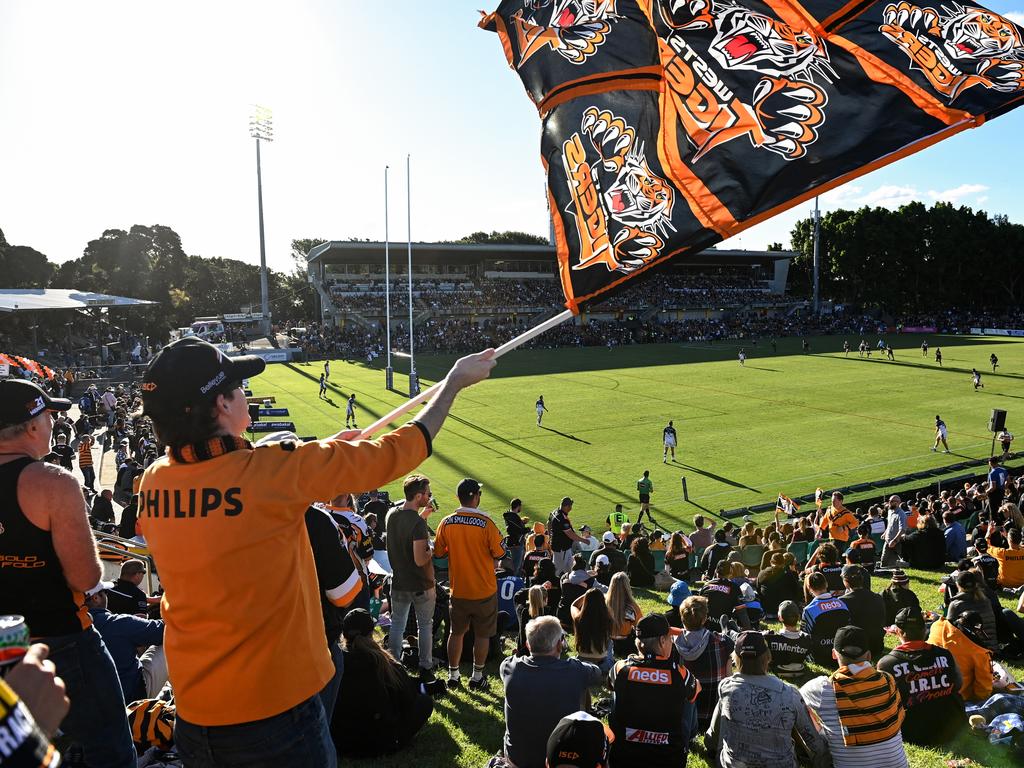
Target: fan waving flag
<point x="786" y="506"/>
<point x="669" y="125"/>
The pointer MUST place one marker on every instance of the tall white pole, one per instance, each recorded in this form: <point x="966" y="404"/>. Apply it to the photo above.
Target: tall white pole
<point x="817" y="256"/>
<point x="388" y="372"/>
<point x="414" y="386"/>
<point x="264" y="293"/>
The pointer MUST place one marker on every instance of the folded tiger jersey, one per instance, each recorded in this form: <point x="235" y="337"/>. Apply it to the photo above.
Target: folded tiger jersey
<point x="244" y="633"/>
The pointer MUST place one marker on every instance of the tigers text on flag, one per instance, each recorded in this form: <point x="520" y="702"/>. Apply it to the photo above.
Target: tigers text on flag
<point x="669" y="125"/>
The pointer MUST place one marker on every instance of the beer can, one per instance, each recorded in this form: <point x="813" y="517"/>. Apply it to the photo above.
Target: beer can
<point x="13" y="641"/>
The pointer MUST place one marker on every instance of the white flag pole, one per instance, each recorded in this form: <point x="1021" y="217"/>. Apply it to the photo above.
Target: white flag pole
<point x="428" y="393"/>
<point x="388" y="371"/>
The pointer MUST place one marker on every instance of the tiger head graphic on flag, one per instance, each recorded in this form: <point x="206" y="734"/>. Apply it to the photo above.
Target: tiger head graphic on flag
<point x="783" y="110"/>
<point x="958" y="47"/>
<point x="623" y="209"/>
<point x="572" y="28"/>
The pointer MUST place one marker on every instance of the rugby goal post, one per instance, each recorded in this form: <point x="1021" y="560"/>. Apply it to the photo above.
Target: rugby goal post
<point x="429" y="392"/>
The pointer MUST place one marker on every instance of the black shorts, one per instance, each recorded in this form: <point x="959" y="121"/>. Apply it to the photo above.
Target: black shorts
<point x="645" y="498"/>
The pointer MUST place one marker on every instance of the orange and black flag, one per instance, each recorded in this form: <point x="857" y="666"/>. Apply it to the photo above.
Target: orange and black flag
<point x="669" y="125"/>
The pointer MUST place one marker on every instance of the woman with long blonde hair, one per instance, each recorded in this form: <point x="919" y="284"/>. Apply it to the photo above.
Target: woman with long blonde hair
<point x="624" y="612"/>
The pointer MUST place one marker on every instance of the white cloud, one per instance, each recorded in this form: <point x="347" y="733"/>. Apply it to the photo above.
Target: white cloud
<point x="1017" y="17"/>
<point x="982" y="199"/>
<point x="956" y="194"/>
<point x="889" y="196"/>
<point x="844" y="194"/>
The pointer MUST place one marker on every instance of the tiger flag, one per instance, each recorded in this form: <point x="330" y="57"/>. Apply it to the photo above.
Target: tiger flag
<point x="786" y="506"/>
<point x="670" y="125"/>
<point x="819" y="497"/>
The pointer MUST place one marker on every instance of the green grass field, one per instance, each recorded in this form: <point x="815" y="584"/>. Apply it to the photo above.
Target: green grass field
<point x="786" y="422"/>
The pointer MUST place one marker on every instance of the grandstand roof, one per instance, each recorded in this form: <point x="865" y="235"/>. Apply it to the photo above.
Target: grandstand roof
<point x="349" y="252"/>
<point x="38" y="299"/>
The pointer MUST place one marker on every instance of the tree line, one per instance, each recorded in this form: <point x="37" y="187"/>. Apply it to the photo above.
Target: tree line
<point x="914" y="257"/>
<point x="149" y="262"/>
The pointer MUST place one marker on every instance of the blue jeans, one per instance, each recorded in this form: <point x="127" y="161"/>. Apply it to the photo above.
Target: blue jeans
<point x="329" y="694"/>
<point x="517" y="554"/>
<point x="296" y="738"/>
<point x="97" y="719"/>
<point x="423" y="602"/>
<point x="88" y="477"/>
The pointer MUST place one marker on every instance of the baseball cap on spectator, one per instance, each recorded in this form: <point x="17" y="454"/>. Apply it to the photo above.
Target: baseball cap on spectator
<point x="751" y="644"/>
<point x="602" y="560"/>
<point x="22" y="400"/>
<point x="910" y="618"/>
<point x="190" y="371"/>
<point x="358" y="621"/>
<point x="467" y="489"/>
<point x="579" y="740"/>
<point x="101" y="586"/>
<point x="652" y="625"/>
<point x="608" y="537"/>
<point x="854" y="572"/>
<point x="899" y="577"/>
<point x="679" y="592"/>
<point x="851" y="642"/>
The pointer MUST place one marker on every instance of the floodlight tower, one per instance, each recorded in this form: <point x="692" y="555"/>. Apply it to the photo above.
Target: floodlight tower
<point x="261" y="128"/>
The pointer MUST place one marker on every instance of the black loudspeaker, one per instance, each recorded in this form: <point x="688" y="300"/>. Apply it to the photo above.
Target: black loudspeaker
<point x="998" y="421"/>
<point x="254" y="412"/>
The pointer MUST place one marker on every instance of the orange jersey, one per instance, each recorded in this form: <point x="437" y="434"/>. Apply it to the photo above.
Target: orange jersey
<point x="472" y="543"/>
<point x="244" y="631"/>
<point x="1011" y="565"/>
<point x="839" y="523"/>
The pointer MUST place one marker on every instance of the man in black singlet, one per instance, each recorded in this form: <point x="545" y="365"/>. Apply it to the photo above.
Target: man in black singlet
<point x="44" y="521"/>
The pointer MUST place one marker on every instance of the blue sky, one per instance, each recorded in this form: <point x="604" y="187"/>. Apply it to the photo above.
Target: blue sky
<point x="120" y="113"/>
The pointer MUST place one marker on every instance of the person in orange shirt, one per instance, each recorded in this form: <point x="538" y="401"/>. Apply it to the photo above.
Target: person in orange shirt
<point x="838" y="520"/>
<point x="225" y="521"/>
<point x="1011" y="558"/>
<point x="472" y="543"/>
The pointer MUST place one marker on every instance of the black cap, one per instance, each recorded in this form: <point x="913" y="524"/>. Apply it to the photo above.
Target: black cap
<point x="468" y="488"/>
<point x="566" y="501"/>
<point x="853" y="572"/>
<point x="358" y="621"/>
<point x="191" y="370"/>
<point x="851" y="642"/>
<point x="981" y="545"/>
<point x="22" y="400"/>
<point x="652" y="625"/>
<point x="751" y="644"/>
<point x="899" y="577"/>
<point x="579" y="740"/>
<point x="910" y="618"/>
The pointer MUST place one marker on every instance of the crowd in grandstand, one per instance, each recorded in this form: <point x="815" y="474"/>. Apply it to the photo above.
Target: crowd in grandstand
<point x="506" y="294"/>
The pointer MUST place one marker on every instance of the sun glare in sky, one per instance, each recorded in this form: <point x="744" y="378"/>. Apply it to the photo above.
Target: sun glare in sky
<point x="122" y="113"/>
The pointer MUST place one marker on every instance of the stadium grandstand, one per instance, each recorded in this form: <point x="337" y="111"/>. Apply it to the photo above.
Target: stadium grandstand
<point x="66" y="328"/>
<point x="487" y="282"/>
